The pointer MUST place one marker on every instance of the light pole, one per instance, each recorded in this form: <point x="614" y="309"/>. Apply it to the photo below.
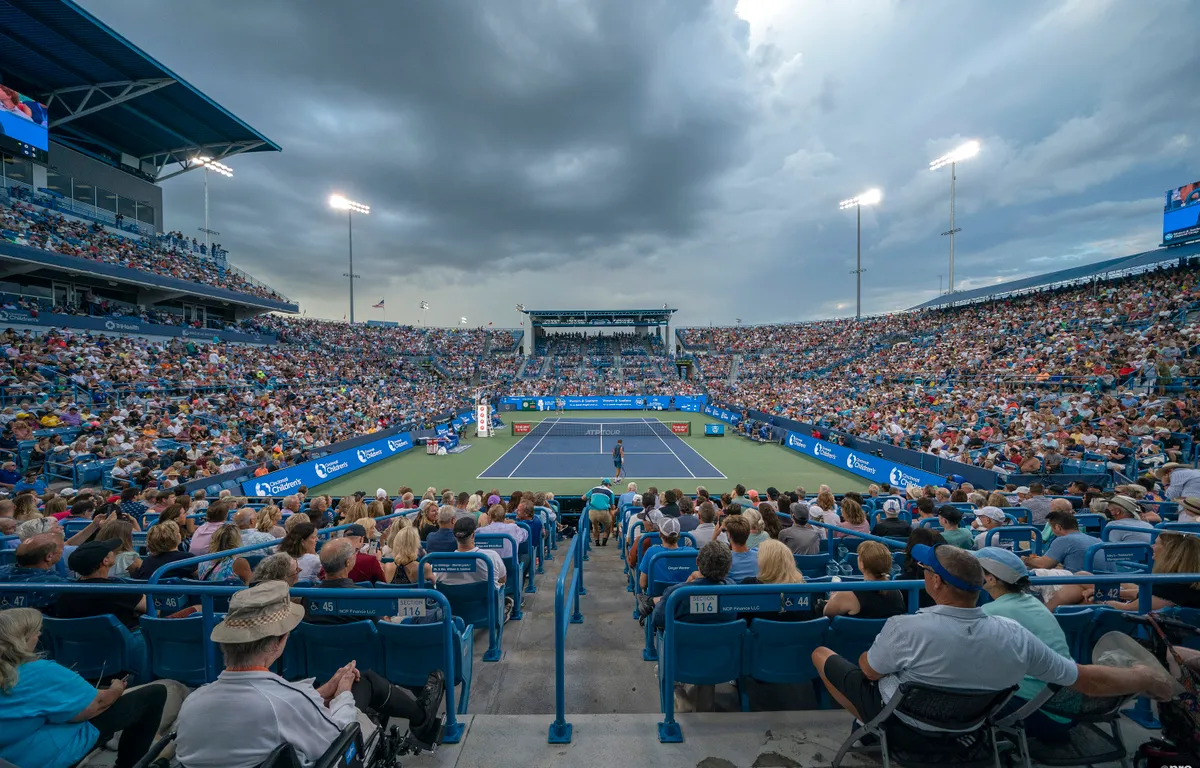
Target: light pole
<point x="339" y="203"/>
<point x="424" y="307"/>
<point x="964" y="152"/>
<point x="870" y="197"/>
<point x="225" y="171"/>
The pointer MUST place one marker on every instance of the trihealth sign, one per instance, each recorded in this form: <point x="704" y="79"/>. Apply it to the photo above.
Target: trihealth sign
<point x="326" y="468"/>
<point x="862" y="464"/>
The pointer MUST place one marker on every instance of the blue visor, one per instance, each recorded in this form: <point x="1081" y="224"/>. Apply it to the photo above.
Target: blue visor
<point x="927" y="555"/>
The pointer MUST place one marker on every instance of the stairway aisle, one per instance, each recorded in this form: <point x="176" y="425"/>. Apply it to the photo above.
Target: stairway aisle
<point x="605" y="671"/>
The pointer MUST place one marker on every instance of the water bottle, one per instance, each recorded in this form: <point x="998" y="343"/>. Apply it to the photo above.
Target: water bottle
<point x="831" y="569"/>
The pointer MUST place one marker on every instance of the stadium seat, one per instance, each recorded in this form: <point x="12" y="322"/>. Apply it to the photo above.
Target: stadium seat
<point x="98" y="648"/>
<point x="703" y="654"/>
<point x="850" y="638"/>
<point x="812" y="566"/>
<point x="175" y="649"/>
<point x="781" y="651"/>
<point x="328" y="647"/>
<point x="412" y="651"/>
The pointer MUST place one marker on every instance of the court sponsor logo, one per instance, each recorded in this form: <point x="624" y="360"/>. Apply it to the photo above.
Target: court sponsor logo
<point x="398" y="445"/>
<point x="822" y="452"/>
<point x="276" y="487"/>
<point x="113" y="325"/>
<point x="602" y="432"/>
<point x="856" y="464"/>
<point x="521" y="429"/>
<point x="326" y="468"/>
<point x="901" y="479"/>
<point x="679" y="429"/>
<point x="796" y="442"/>
<point x="368" y="454"/>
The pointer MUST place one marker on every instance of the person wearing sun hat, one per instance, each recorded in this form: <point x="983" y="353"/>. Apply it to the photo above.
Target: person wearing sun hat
<point x="1179" y="480"/>
<point x="259" y="710"/>
<point x="1189" y="509"/>
<point x="1128" y="513"/>
<point x="1006" y="580"/>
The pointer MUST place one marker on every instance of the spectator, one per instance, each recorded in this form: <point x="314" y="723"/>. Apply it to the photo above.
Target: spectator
<point x="1128" y="513"/>
<point x="706" y="527"/>
<point x="277" y="567"/>
<point x="464" y="532"/>
<point x="712" y="568"/>
<point x="337" y="558"/>
<point x="599" y="502"/>
<point x="941" y="647"/>
<point x="800" y="537"/>
<point x="127" y="560"/>
<point x="93" y="561"/>
<point x="891" y="524"/>
<point x="53" y="717"/>
<point x="162" y="541"/>
<point x="268" y="521"/>
<point x="668" y="528"/>
<point x="950" y="517"/>
<point x="366" y="566"/>
<point x="265" y="710"/>
<point x="1006" y="580"/>
<point x="406" y="550"/>
<point x="1179" y="480"/>
<point x="757" y="534"/>
<point x="925" y="511"/>
<point x="37" y="559"/>
<point x="442" y="540"/>
<point x="670" y="507"/>
<point x="853" y="518"/>
<point x="229" y="567"/>
<point x="688" y="521"/>
<point x="500" y="524"/>
<point x="300" y="544"/>
<point x="875" y="562"/>
<point x="745" y="562"/>
<point x="989" y="518"/>
<point x="214" y="520"/>
<point x="246" y="520"/>
<point x="1069" y="546"/>
<point x="1037" y="504"/>
<point x="1174" y="552"/>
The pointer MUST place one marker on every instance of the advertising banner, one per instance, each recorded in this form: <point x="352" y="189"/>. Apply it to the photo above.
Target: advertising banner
<point x="127" y="325"/>
<point x="611" y="403"/>
<point x="326" y="468"/>
<point x="714" y="429"/>
<point x="862" y="464"/>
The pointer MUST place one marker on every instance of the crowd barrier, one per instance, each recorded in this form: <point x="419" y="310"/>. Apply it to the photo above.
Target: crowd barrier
<point x="209" y="593"/>
<point x="566" y="612"/>
<point x="705" y="667"/>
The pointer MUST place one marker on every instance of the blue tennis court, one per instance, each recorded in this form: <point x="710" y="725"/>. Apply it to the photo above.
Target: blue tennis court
<point x="581" y="448"/>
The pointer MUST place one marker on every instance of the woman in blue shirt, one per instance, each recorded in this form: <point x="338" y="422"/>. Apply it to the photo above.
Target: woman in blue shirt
<point x="52" y="718"/>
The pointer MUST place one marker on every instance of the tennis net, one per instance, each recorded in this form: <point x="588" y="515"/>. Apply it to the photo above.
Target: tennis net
<point x="650" y="428"/>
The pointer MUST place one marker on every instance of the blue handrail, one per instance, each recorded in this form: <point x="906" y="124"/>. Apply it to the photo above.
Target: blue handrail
<point x="669" y="730"/>
<point x="831" y="541"/>
<point x="513" y="564"/>
<point x="560" y="730"/>
<point x="454" y="729"/>
<point x="156" y="577"/>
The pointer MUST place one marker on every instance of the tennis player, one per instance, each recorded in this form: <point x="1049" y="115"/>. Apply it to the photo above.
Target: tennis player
<point x="560" y="404"/>
<point x="619" y="460"/>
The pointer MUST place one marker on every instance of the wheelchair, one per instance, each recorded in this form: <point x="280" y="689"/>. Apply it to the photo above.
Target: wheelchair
<point x="348" y="750"/>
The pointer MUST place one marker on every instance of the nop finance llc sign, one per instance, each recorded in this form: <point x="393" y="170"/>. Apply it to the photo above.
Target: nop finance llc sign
<point x="862" y="464"/>
<point x="326" y="468"/>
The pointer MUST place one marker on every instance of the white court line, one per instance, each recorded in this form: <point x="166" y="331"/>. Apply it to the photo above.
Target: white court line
<point x="672" y="450"/>
<point x="531" y="450"/>
<point x="593" y="453"/>
<point x="592" y="478"/>
<point x="501" y="456"/>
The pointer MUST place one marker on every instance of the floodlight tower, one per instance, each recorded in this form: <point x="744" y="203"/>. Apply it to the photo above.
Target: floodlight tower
<point x="870" y="197"/>
<point x="964" y="152"/>
<point x="225" y="171"/>
<point x="339" y="203"/>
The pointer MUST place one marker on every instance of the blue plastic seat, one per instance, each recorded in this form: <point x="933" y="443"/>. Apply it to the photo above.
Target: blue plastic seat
<point x="702" y="654"/>
<point x="812" y="566"/>
<point x="1076" y="623"/>
<point x="328" y="647"/>
<point x="412" y="651"/>
<point x="175" y="649"/>
<point x="850" y="637"/>
<point x="469" y="602"/>
<point x="96" y="647"/>
<point x="781" y="651"/>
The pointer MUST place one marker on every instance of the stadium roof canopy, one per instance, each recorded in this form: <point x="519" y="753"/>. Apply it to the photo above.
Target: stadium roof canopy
<point x="573" y="318"/>
<point x="107" y="97"/>
<point x="1136" y="262"/>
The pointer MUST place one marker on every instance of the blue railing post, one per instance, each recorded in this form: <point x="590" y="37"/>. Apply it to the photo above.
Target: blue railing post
<point x="1142" y="713"/>
<point x="560" y="730"/>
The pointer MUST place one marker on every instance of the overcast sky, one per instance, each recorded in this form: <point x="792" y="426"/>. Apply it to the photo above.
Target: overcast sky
<point x="630" y="153"/>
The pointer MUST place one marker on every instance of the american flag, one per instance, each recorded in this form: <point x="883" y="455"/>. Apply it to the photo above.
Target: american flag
<point x="378" y="306"/>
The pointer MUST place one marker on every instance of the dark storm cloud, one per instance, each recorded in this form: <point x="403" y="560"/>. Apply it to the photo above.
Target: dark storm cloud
<point x="650" y="151"/>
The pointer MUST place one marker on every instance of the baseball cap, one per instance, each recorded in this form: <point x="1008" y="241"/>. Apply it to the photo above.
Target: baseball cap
<point x="355" y="530"/>
<point x="949" y="512"/>
<point x="464" y="527"/>
<point x="493" y="499"/>
<point x="799" y="511"/>
<point x="1002" y="564"/>
<point x="1022" y="489"/>
<point x="992" y="513"/>
<point x="669" y="526"/>
<point x="89" y="555"/>
<point x="927" y="555"/>
<point x="752" y="494"/>
<point x="606" y="481"/>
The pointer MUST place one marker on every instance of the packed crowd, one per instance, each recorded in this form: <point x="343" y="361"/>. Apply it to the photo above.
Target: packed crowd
<point x="1087" y="369"/>
<point x="29" y="225"/>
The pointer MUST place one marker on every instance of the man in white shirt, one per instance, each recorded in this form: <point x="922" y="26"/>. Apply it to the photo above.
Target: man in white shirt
<point x="265" y="711"/>
<point x="1127" y="512"/>
<point x="942" y="646"/>
<point x="464" y="532"/>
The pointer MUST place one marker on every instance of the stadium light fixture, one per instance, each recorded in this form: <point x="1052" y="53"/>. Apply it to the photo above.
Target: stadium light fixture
<point x="341" y="203"/>
<point x="424" y="308"/>
<point x="964" y="152"/>
<point x="225" y="171"/>
<point x="462" y="321"/>
<point x="870" y="197"/>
